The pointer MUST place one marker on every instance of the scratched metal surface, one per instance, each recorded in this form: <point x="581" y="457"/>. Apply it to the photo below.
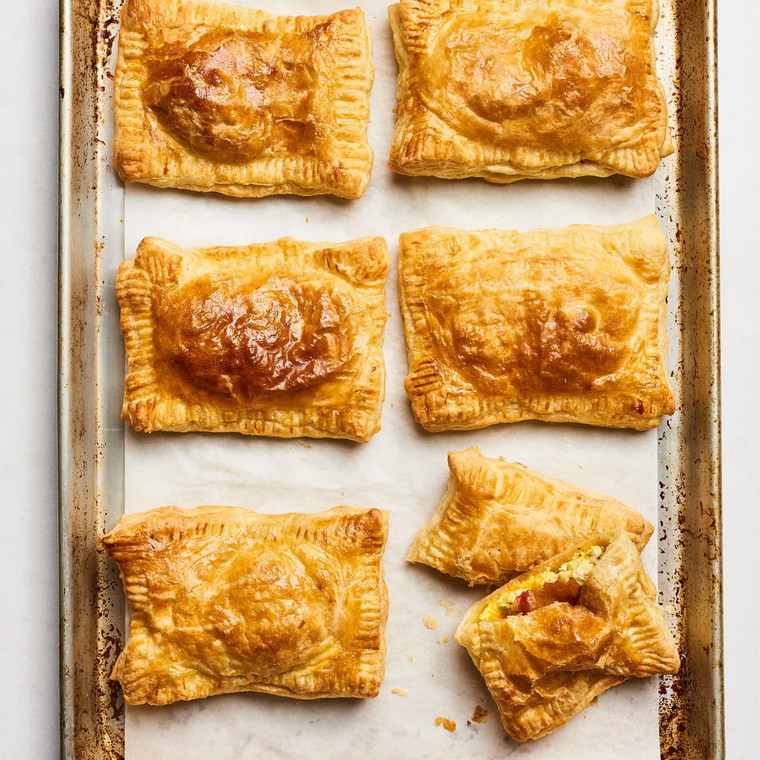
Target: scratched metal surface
<point x="91" y="368"/>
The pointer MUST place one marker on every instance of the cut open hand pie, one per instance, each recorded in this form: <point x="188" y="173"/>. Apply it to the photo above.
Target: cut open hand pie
<point x="281" y="339"/>
<point x="551" y="640"/>
<point x="499" y="518"/>
<point x="217" y="97"/>
<point x="508" y="90"/>
<point x="560" y="325"/>
<point x="223" y="599"/>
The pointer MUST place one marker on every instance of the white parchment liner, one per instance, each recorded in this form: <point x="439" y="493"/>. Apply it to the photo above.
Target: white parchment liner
<point x="403" y="469"/>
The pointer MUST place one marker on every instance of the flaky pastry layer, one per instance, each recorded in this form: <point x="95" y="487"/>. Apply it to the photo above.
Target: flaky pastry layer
<point x="281" y="339"/>
<point x="545" y="666"/>
<point x="560" y="325"/>
<point x="498" y="518"/>
<point x="508" y="90"/>
<point x="224" y="599"/>
<point x="222" y="98"/>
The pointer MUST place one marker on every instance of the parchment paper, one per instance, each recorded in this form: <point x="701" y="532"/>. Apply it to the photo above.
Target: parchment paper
<point x="403" y="469"/>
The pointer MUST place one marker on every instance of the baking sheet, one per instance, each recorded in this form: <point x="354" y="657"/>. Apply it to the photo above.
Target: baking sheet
<point x="402" y="469"/>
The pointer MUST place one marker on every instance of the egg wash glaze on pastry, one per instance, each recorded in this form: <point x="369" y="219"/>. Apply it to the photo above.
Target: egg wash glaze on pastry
<point x="224" y="599"/>
<point x="561" y="325"/>
<point x="508" y="89"/>
<point x="280" y="339"/>
<point x="498" y="518"/>
<point x="217" y="97"/>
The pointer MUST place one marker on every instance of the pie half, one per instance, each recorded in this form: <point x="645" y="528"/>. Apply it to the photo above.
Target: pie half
<point x="224" y="599"/>
<point x="509" y="90"/>
<point x="551" y="640"/>
<point x="560" y="325"/>
<point x="499" y="518"/>
<point x="281" y="339"/>
<point x="218" y="97"/>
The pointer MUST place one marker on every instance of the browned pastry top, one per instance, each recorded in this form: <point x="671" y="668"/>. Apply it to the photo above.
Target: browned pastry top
<point x="510" y="89"/>
<point x="561" y="325"/>
<point x="215" y="97"/>
<point x="281" y="338"/>
<point x="498" y="519"/>
<point x="233" y="95"/>
<point x="545" y="86"/>
<point x="223" y="599"/>
<point x="572" y="326"/>
<point x="237" y="338"/>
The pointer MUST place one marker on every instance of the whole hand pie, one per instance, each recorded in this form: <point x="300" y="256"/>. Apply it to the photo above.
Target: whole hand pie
<point x="553" y="639"/>
<point x="223" y="599"/>
<point x="558" y="325"/>
<point x="499" y="518"/>
<point x="508" y="90"/>
<point x="216" y="97"/>
<point x="282" y="339"/>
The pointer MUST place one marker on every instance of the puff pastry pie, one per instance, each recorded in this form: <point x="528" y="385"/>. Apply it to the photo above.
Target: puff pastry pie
<point x="559" y="325"/>
<point x="217" y="97"/>
<point x="551" y="640"/>
<point x="223" y="599"/>
<point x="508" y="90"/>
<point x="281" y="339"/>
<point x="499" y="518"/>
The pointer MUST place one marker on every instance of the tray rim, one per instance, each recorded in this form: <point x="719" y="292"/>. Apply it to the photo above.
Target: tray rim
<point x="90" y="725"/>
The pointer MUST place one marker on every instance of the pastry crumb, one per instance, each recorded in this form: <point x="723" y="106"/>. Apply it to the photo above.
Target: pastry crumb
<point x="449" y="725"/>
<point x="400" y="692"/>
<point x="479" y="714"/>
<point x="446" y="639"/>
<point x="430" y="622"/>
<point x="450" y="606"/>
<point x="410" y="657"/>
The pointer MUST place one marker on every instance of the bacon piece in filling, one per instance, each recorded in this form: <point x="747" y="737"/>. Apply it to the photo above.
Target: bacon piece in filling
<point x="555" y="591"/>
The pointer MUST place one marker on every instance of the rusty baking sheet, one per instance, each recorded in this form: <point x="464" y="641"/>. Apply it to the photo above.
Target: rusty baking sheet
<point x="91" y="367"/>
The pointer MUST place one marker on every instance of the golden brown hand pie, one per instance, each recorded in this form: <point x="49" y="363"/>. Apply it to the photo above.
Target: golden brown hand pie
<point x="281" y="339"/>
<point x="223" y="599"/>
<point x="553" y="639"/>
<point x="499" y="518"/>
<point x="508" y="90"/>
<point x="559" y="325"/>
<point x="217" y="97"/>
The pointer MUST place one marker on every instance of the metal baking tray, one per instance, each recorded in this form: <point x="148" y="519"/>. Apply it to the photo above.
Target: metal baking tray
<point x="91" y="366"/>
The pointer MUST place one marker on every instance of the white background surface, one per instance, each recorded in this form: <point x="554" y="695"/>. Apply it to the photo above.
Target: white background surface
<point x="28" y="330"/>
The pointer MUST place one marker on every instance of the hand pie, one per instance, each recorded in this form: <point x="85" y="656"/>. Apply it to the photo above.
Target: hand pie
<point x="281" y="339"/>
<point x="223" y="599"/>
<point x="497" y="519"/>
<point x="558" y="325"/>
<point x="551" y="640"/>
<point x="509" y="90"/>
<point x="217" y="97"/>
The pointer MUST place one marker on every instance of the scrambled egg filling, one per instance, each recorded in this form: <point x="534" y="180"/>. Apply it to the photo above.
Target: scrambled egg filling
<point x="577" y="568"/>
